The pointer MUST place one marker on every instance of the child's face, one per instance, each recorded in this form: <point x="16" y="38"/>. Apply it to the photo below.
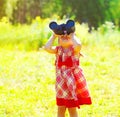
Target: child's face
<point x="65" y="40"/>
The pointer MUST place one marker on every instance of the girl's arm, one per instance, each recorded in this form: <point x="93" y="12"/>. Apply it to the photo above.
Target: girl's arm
<point x="48" y="47"/>
<point x="76" y="43"/>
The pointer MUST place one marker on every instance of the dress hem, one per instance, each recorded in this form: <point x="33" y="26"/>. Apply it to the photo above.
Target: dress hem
<point x="73" y="103"/>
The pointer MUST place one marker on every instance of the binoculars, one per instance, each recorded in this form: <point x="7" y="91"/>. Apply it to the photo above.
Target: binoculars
<point x="63" y="29"/>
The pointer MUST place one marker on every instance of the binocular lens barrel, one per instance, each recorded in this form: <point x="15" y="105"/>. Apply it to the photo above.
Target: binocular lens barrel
<point x="62" y="29"/>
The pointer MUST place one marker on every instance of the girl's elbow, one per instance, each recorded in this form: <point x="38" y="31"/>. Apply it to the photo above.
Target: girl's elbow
<point x="46" y="48"/>
<point x="79" y="46"/>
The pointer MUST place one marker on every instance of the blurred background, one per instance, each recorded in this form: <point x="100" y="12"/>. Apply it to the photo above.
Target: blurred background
<point x="93" y="12"/>
<point x="34" y="16"/>
<point x="27" y="72"/>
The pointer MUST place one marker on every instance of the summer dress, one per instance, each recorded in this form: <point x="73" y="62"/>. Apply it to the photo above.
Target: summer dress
<point x="71" y="86"/>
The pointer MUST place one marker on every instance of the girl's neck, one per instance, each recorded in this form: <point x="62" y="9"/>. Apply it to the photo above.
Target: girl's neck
<point x="66" y="47"/>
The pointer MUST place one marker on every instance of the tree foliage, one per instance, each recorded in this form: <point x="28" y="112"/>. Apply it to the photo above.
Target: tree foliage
<point x="2" y="8"/>
<point x="94" y="12"/>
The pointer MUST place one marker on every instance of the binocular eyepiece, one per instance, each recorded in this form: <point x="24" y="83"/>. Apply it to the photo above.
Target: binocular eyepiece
<point x="63" y="29"/>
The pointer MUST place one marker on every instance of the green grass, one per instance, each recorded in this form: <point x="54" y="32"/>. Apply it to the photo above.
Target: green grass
<point x="27" y="82"/>
<point x="24" y="37"/>
<point x="27" y="78"/>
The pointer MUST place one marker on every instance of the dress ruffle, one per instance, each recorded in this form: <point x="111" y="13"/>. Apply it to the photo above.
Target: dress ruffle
<point x="73" y="103"/>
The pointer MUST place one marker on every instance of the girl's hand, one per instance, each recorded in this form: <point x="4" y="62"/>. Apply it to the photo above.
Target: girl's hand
<point x="56" y="36"/>
<point x="72" y="35"/>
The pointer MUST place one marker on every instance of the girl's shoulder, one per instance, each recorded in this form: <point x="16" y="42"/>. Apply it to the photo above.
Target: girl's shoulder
<point x="58" y="50"/>
<point x="57" y="47"/>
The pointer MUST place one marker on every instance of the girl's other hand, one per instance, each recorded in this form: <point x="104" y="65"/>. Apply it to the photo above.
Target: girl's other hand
<point x="55" y="35"/>
<point x="72" y="35"/>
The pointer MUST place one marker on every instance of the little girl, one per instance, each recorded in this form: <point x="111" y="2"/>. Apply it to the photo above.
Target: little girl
<point x="71" y="87"/>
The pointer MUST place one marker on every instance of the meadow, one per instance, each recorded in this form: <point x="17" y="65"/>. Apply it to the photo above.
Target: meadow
<point x="27" y="72"/>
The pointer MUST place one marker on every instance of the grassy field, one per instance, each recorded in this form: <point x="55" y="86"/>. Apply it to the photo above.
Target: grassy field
<point x="27" y="83"/>
<point x="27" y="78"/>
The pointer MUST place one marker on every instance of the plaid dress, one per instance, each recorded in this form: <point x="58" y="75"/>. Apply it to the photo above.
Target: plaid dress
<point x="71" y="87"/>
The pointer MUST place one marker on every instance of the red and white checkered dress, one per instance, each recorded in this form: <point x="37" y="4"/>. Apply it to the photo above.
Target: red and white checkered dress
<point x="71" y="87"/>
